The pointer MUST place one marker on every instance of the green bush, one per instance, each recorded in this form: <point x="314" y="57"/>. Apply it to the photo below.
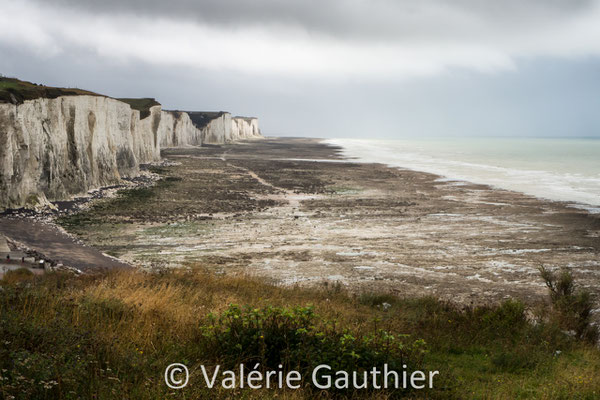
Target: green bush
<point x="572" y="306"/>
<point x="299" y="340"/>
<point x="507" y="317"/>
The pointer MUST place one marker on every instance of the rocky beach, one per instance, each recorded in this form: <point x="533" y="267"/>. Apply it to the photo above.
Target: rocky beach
<point x="292" y="211"/>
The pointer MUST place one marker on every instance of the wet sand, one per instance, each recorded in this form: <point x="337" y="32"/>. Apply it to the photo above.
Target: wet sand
<point x="292" y="211"/>
<point x="375" y="228"/>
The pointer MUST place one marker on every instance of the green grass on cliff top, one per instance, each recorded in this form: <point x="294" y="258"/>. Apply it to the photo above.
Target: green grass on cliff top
<point x="15" y="91"/>
<point x="142" y="105"/>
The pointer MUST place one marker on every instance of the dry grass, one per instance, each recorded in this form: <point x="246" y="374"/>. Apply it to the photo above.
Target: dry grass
<point x="17" y="275"/>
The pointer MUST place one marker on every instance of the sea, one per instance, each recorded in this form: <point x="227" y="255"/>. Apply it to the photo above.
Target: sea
<point x="561" y="169"/>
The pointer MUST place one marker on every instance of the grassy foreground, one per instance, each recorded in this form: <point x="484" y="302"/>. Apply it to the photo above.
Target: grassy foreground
<point x="111" y="336"/>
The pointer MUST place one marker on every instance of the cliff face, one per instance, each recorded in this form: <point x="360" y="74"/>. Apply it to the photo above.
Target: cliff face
<point x="177" y="129"/>
<point x="218" y="130"/>
<point x="244" y="128"/>
<point x="221" y="127"/>
<point x="57" y="147"/>
<point x="146" y="135"/>
<point x="53" y="148"/>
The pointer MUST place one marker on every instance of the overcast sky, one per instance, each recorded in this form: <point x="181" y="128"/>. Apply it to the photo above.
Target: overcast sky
<point x="335" y="68"/>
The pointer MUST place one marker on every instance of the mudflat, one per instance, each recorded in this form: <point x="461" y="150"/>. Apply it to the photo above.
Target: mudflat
<point x="292" y="211"/>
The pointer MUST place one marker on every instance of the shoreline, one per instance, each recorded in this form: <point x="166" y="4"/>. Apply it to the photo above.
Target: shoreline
<point x="421" y="160"/>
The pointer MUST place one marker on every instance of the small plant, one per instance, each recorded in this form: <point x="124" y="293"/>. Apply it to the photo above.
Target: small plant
<point x="507" y="317"/>
<point x="572" y="306"/>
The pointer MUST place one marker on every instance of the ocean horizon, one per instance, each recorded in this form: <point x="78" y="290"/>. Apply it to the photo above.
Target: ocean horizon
<point x="558" y="169"/>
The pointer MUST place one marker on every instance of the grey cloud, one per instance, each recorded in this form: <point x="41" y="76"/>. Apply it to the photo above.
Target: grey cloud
<point x="373" y="19"/>
<point x="544" y="96"/>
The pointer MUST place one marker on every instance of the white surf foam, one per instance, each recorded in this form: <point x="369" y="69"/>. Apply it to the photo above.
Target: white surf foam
<point x="557" y="169"/>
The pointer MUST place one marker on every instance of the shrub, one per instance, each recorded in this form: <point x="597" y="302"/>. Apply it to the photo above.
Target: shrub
<point x="298" y="339"/>
<point x="507" y="317"/>
<point x="572" y="306"/>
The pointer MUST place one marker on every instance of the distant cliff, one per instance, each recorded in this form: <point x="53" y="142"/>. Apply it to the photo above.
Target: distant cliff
<point x="55" y="143"/>
<point x="244" y="128"/>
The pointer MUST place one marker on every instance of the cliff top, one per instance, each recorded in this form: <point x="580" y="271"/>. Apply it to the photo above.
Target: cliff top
<point x="142" y="105"/>
<point x="15" y="91"/>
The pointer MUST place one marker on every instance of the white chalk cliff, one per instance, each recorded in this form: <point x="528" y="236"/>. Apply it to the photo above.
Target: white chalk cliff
<point x="52" y="149"/>
<point x="176" y="129"/>
<point x="244" y="128"/>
